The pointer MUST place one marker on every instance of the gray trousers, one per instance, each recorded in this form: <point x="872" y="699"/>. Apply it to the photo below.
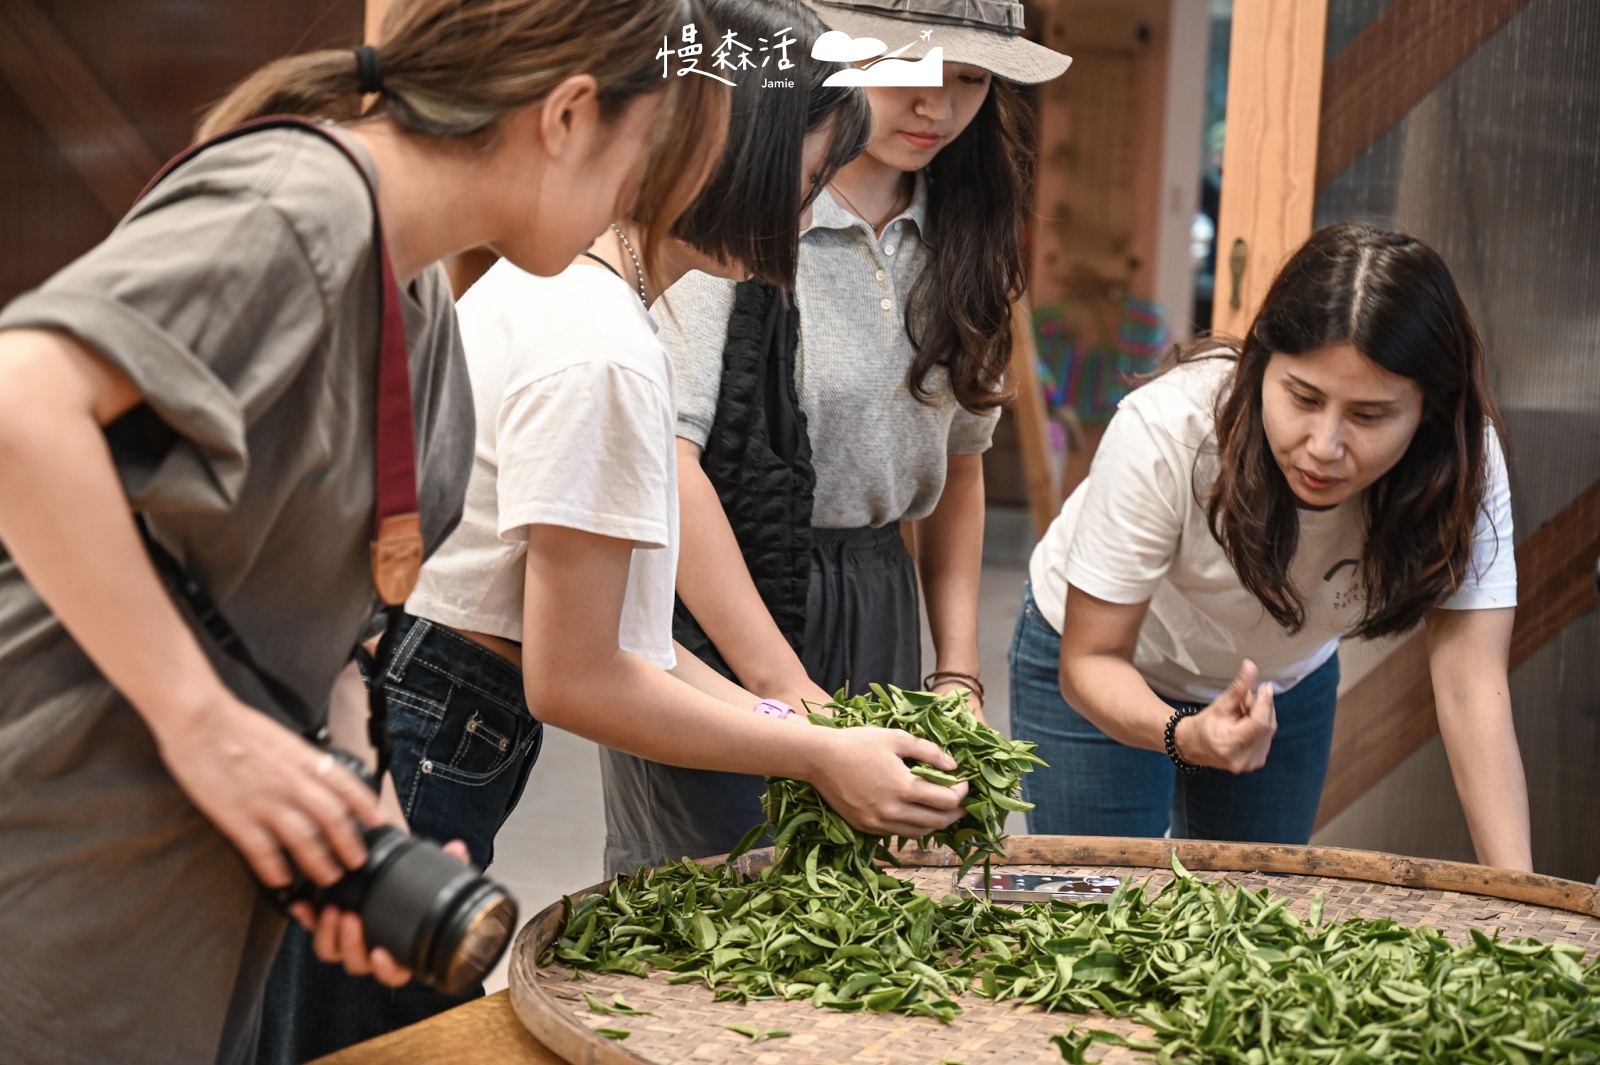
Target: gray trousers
<point x="863" y="626"/>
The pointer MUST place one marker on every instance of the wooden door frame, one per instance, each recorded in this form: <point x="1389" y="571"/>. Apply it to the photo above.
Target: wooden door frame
<point x="1269" y="158"/>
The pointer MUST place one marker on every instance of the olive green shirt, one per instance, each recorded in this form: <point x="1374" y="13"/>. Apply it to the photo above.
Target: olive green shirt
<point x="240" y="297"/>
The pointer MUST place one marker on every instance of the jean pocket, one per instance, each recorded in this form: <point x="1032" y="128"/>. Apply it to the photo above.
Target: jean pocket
<point x="477" y="740"/>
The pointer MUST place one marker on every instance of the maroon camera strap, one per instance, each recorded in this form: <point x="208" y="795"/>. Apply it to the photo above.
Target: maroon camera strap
<point x="396" y="551"/>
<point x="397" y="531"/>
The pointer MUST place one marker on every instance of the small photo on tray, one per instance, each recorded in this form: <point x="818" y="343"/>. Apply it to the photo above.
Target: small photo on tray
<point x="1037" y="887"/>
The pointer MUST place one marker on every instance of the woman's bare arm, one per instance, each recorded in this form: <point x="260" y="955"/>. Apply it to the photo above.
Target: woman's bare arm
<point x="716" y="586"/>
<point x="65" y="520"/>
<point x="950" y="563"/>
<point x="1468" y="655"/>
<point x="579" y="679"/>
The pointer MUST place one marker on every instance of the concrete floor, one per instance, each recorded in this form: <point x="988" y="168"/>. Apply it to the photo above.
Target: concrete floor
<point x="553" y="843"/>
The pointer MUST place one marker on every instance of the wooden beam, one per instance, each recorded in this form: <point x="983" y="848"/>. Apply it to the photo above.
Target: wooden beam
<point x="1555" y="574"/>
<point x="1405" y="53"/>
<point x="1033" y="420"/>
<point x="1382" y="720"/>
<point x="1388" y="715"/>
<point x="1270" y="159"/>
<point x="93" y="134"/>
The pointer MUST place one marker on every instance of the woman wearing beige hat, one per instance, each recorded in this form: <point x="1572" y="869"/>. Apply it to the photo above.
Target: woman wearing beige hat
<point x="801" y="449"/>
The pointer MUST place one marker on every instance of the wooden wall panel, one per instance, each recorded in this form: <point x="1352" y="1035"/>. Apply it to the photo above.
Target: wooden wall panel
<point x="1396" y="61"/>
<point x="1097" y="195"/>
<point x="161" y="64"/>
<point x="65" y="98"/>
<point x="48" y="216"/>
<point x="166" y="61"/>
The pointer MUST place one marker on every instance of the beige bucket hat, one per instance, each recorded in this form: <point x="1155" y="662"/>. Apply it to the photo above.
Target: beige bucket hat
<point x="980" y="33"/>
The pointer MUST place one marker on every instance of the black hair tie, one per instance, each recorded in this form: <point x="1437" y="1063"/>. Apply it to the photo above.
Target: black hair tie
<point x="369" y="69"/>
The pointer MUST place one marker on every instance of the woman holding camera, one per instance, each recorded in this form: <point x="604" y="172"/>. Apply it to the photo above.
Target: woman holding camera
<point x="211" y="366"/>
<point x="1339" y="473"/>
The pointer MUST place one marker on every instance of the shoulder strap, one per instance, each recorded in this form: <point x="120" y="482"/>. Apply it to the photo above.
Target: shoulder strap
<point x="397" y="534"/>
<point x="758" y="458"/>
<point x="397" y="538"/>
<point x="209" y="617"/>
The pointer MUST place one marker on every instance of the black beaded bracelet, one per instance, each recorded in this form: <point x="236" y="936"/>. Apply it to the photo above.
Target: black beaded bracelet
<point x="966" y="680"/>
<point x="1183" y="711"/>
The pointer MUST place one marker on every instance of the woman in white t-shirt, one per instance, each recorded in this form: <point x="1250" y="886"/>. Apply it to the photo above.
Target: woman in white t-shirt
<point x="1339" y="474"/>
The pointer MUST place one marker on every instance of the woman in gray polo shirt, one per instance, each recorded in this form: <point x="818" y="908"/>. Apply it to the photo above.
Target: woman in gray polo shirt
<point x="906" y="278"/>
<point x="212" y="365"/>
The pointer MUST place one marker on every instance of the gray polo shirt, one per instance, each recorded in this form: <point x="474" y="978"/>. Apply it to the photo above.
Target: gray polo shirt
<point x="880" y="455"/>
<point x="241" y="298"/>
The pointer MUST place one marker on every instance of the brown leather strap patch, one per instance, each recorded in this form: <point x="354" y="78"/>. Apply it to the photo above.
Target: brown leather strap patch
<point x="397" y="557"/>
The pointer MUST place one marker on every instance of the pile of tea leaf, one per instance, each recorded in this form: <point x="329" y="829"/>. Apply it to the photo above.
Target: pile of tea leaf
<point x="807" y="831"/>
<point x="1220" y="974"/>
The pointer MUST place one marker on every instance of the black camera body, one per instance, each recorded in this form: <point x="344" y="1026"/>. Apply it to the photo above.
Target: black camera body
<point x="440" y="918"/>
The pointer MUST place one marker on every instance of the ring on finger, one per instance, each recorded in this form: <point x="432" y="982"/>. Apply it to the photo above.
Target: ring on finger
<point x="324" y="764"/>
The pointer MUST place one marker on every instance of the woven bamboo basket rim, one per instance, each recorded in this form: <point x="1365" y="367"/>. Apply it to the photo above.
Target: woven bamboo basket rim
<point x="554" y="1024"/>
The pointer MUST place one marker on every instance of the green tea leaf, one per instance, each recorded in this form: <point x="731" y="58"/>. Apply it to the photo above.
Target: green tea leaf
<point x="1218" y="973"/>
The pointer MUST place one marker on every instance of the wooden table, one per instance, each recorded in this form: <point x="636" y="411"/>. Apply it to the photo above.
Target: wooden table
<point x="483" y="1032"/>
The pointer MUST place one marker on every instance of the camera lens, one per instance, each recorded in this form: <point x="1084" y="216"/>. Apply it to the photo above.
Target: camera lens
<point x="470" y="945"/>
<point x="441" y="919"/>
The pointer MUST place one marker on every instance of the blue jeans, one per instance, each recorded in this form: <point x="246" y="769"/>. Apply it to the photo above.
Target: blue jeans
<point x="464" y="744"/>
<point x="1095" y="786"/>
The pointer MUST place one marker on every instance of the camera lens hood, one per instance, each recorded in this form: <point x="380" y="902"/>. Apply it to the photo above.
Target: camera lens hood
<point x="440" y="918"/>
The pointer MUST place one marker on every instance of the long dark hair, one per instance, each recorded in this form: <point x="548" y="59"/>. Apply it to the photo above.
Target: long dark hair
<point x="453" y="69"/>
<point x="959" y="312"/>
<point x="1391" y="297"/>
<point x="749" y="212"/>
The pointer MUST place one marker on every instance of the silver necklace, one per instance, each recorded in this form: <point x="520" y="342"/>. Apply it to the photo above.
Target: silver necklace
<point x="637" y="265"/>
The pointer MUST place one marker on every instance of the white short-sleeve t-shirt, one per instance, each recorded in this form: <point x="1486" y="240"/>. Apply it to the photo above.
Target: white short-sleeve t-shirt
<point x="576" y="422"/>
<point x="1136" y="530"/>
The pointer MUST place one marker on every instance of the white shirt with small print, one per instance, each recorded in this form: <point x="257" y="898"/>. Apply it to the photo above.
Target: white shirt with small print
<point x="1136" y="530"/>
